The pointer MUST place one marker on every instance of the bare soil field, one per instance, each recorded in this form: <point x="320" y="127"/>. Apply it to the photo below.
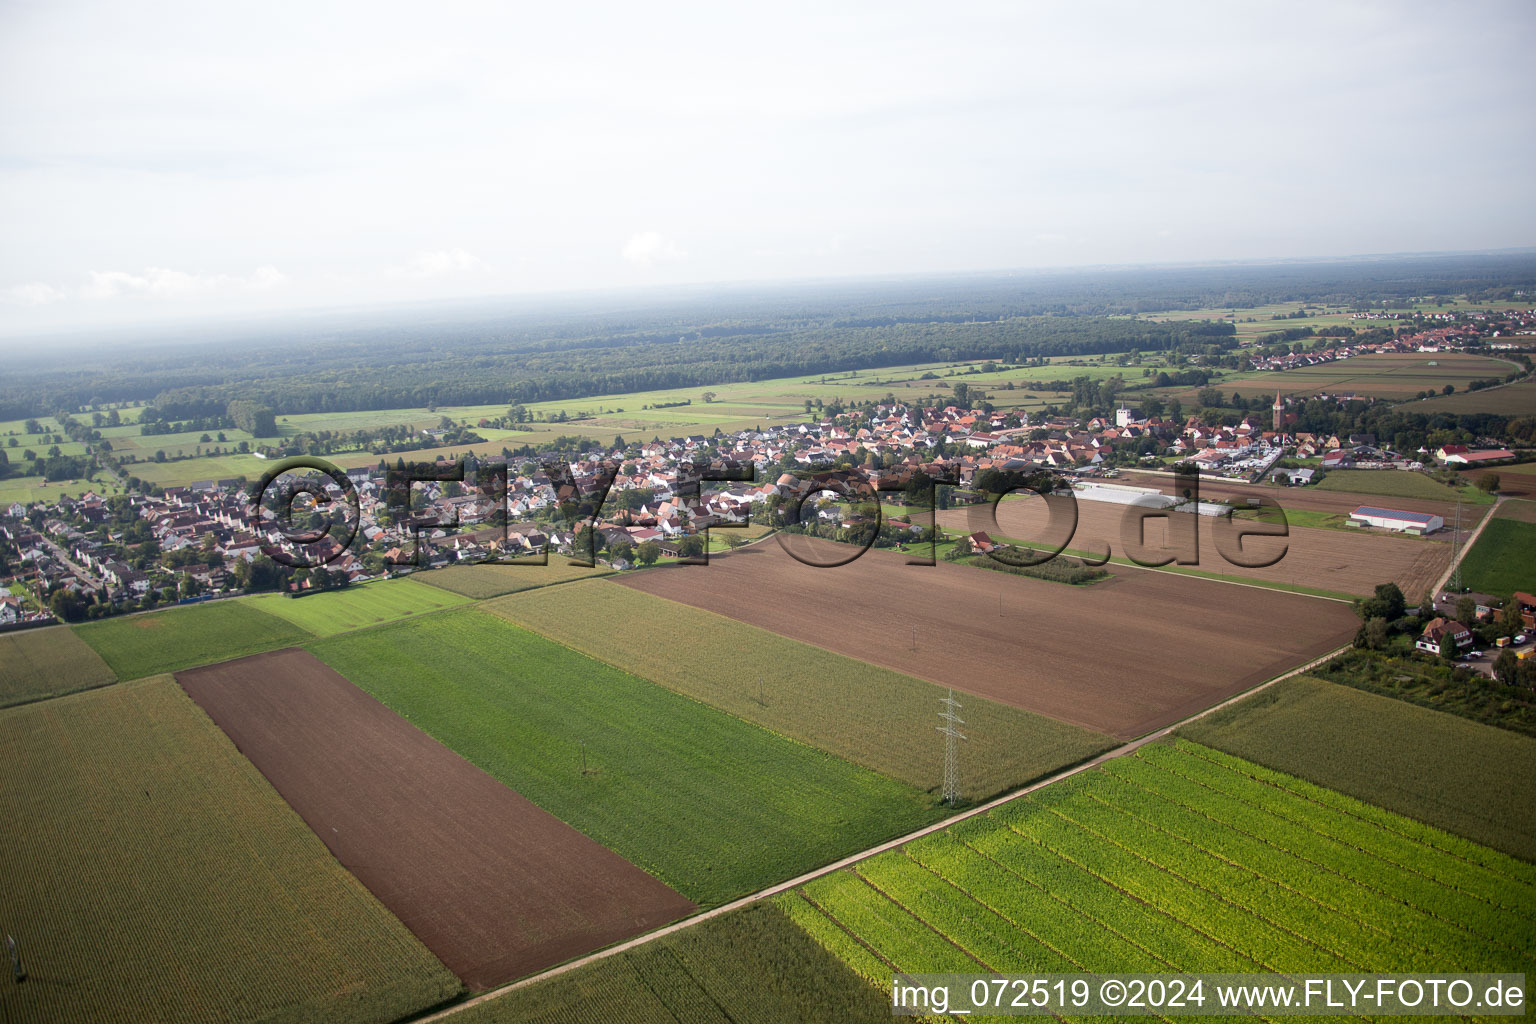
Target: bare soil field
<point x="493" y="885"/>
<point x="1336" y="560"/>
<point x="1515" y="481"/>
<point x="1306" y="498"/>
<point x="1518" y="510"/>
<point x="1123" y="656"/>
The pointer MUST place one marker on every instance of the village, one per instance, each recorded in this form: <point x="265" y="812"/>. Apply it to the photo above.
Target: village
<point x="192" y="543"/>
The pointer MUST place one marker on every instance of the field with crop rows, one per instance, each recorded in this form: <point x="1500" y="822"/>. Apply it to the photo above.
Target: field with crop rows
<point x="1396" y="483"/>
<point x="1178" y="858"/>
<point x="337" y="611"/>
<point x="1517" y="399"/>
<point x="45" y="663"/>
<point x="496" y="887"/>
<point x="1020" y="641"/>
<point x="1517" y="480"/>
<point x="153" y="874"/>
<point x="176" y="638"/>
<point x="755" y="962"/>
<point x="1504" y="558"/>
<point x="851" y="708"/>
<point x="711" y="805"/>
<point x="482" y="581"/>
<point x="1465" y="777"/>
<point x="1398" y="375"/>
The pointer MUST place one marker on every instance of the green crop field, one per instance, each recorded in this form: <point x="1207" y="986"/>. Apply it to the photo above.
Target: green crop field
<point x="1465" y="777"/>
<point x="29" y="489"/>
<point x="338" y="611"/>
<point x="45" y="663"/>
<point x="1517" y="399"/>
<point x="1504" y="558"/>
<point x="1178" y="859"/>
<point x="851" y="708"/>
<point x="1396" y="483"/>
<point x="151" y="873"/>
<point x="483" y="581"/>
<point x="755" y="962"/>
<point x="711" y="805"/>
<point x="177" y="638"/>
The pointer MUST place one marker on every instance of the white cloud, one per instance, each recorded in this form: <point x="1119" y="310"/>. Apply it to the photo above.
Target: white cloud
<point x="33" y="294"/>
<point x="444" y="262"/>
<point x="162" y="282"/>
<point x="650" y="248"/>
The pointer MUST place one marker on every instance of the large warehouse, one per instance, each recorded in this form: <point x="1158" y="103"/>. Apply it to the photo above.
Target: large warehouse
<point x="1392" y="519"/>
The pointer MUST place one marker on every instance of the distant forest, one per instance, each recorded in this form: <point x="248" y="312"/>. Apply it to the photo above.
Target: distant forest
<point x="506" y="353"/>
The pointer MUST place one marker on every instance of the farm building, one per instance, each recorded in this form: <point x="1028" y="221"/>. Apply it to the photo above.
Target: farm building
<point x="1527" y="608"/>
<point x="980" y="543"/>
<point x="1429" y="640"/>
<point x="1393" y="519"/>
<point x="1461" y="455"/>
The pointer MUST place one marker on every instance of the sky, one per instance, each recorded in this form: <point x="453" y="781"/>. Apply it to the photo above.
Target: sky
<point x="160" y="161"/>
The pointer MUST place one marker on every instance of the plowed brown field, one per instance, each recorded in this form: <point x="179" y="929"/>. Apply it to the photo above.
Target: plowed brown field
<point x="1323" y="559"/>
<point x="1123" y="656"/>
<point x="493" y="885"/>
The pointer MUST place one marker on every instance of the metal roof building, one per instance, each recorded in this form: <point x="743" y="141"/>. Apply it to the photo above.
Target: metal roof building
<point x="1394" y="519"/>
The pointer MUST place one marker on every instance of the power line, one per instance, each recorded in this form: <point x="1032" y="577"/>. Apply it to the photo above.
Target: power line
<point x="1455" y="581"/>
<point x="951" y="734"/>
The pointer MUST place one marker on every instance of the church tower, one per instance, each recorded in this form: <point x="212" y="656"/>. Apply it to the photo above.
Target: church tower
<point x="1279" y="412"/>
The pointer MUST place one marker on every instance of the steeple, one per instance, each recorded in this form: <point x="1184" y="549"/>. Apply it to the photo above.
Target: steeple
<point x="1279" y="411"/>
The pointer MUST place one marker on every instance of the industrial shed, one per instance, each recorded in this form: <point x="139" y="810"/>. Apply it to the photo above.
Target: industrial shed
<point x="1394" y="519"/>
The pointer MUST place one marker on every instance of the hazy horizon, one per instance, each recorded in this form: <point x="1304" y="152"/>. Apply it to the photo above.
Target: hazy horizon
<point x="176" y="163"/>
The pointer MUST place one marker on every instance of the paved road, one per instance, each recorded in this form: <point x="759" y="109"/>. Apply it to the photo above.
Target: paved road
<point x="75" y="567"/>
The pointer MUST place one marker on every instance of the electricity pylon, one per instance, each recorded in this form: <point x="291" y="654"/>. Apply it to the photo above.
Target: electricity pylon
<point x="1455" y="581"/>
<point x="951" y="734"/>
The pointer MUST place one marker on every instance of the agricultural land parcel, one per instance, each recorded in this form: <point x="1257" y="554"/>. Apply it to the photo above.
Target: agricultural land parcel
<point x="45" y="663"/>
<point x="1322" y="559"/>
<point x="1163" y="646"/>
<point x="159" y="877"/>
<point x="735" y="407"/>
<point x="201" y="634"/>
<point x="177" y="638"/>
<point x="483" y="581"/>
<point x="493" y="885"/>
<point x="1394" y="483"/>
<point x="710" y="804"/>
<point x="339" y="611"/>
<point x="1471" y="779"/>
<point x="1313" y="498"/>
<point x="1516" y="480"/>
<point x="1504" y="558"/>
<point x="756" y="962"/>
<point x="1178" y="859"/>
<point x="1396" y="375"/>
<point x="867" y="714"/>
<point x="1517" y="399"/>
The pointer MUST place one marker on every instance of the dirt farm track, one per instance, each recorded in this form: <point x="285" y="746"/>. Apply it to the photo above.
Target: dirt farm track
<point x="1342" y="561"/>
<point x="1123" y="656"/>
<point x="493" y="885"/>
